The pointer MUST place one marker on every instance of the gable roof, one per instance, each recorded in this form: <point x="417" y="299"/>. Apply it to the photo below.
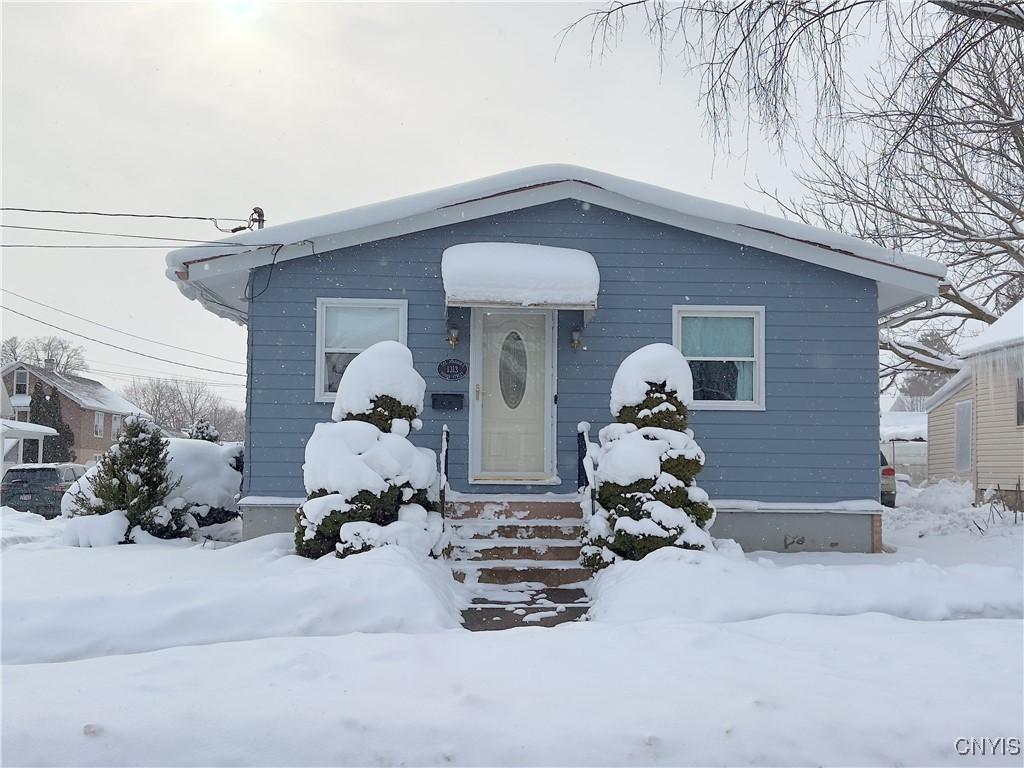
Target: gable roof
<point x="1006" y="332"/>
<point x="89" y="394"/>
<point x="216" y="274"/>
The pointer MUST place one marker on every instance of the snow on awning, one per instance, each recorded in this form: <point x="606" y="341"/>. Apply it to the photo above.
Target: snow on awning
<point x="24" y="430"/>
<point x="519" y="274"/>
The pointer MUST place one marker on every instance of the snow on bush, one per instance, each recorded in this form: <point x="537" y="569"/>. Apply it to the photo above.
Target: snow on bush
<point x="61" y="604"/>
<point x="201" y="489"/>
<point x="380" y="385"/>
<point x="132" y="478"/>
<point x="675" y="582"/>
<point x="646" y="464"/>
<point x="368" y="485"/>
<point x="202" y="429"/>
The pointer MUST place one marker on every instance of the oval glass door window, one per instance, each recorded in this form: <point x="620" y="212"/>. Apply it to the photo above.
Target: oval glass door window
<point x="512" y="370"/>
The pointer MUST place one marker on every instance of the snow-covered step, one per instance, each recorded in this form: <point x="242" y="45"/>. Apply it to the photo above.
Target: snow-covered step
<point x="513" y="510"/>
<point x="515" y="549"/>
<point x="490" y="618"/>
<point x="508" y="607"/>
<point x="548" y="573"/>
<point x="567" y="529"/>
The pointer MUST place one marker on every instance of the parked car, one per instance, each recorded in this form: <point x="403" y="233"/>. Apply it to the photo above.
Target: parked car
<point x="888" y="474"/>
<point x="38" y="487"/>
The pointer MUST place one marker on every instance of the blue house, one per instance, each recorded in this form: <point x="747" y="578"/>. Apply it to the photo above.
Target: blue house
<point x="520" y="294"/>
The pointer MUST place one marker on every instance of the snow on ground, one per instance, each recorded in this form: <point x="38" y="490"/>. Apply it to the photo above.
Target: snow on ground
<point x="27" y="528"/>
<point x="234" y="676"/>
<point x="69" y="603"/>
<point x="784" y="690"/>
<point x="715" y="587"/>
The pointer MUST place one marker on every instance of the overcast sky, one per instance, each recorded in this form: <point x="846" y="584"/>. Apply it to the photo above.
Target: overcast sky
<point x="302" y="109"/>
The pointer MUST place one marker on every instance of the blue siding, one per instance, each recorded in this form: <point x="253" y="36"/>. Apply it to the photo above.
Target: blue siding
<point x="817" y="440"/>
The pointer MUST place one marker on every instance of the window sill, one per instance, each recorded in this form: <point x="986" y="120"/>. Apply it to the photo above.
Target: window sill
<point x="724" y="405"/>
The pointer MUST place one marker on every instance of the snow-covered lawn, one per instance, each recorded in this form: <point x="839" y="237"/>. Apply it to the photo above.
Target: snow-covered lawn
<point x="185" y="654"/>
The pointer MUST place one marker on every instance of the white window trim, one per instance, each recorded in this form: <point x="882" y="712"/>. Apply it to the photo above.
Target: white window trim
<point x="18" y="374"/>
<point x="116" y="425"/>
<point x="98" y="421"/>
<point x="960" y="466"/>
<point x="321" y="395"/>
<point x="726" y="310"/>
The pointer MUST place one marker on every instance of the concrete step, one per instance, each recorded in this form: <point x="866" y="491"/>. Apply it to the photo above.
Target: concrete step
<point x="550" y="573"/>
<point x="489" y="618"/>
<point x="515" y="549"/>
<point x="520" y="529"/>
<point x="514" y="510"/>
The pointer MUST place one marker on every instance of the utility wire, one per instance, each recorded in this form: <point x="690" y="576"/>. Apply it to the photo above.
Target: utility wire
<point x="123" y="349"/>
<point x="168" y="377"/>
<point x="116" y="246"/>
<point x="117" y="330"/>
<point x="114" y="234"/>
<point x="214" y="219"/>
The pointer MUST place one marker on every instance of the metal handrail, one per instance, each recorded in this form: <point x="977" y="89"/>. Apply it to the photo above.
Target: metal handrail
<point x="442" y="483"/>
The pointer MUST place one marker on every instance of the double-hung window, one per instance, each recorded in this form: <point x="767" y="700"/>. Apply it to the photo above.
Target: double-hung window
<point x="345" y="327"/>
<point x="725" y="348"/>
<point x="97" y="428"/>
<point x="21" y="382"/>
<point x="115" y="424"/>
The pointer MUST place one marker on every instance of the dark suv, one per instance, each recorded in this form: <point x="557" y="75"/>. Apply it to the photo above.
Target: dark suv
<point x="38" y="487"/>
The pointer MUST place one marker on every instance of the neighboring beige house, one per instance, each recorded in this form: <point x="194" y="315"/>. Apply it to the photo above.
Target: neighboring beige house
<point x="94" y="412"/>
<point x="976" y="420"/>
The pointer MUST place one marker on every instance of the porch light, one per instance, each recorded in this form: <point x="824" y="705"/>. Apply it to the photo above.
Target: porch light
<point x="577" y="339"/>
<point x="453" y="336"/>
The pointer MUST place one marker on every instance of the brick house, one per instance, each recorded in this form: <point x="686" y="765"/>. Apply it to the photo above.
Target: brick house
<point x="94" y="412"/>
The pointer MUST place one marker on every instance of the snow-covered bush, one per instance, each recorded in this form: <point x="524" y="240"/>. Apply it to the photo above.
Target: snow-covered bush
<point x="132" y="477"/>
<point x="202" y="429"/>
<point x="646" y="462"/>
<point x="368" y="485"/>
<point x="201" y="490"/>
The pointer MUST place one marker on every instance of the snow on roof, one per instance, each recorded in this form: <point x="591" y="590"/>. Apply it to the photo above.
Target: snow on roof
<point x="519" y="274"/>
<point x="89" y="394"/>
<point x="903" y="425"/>
<point x="1007" y="331"/>
<point x="24" y="429"/>
<point x="960" y="379"/>
<point x="216" y="275"/>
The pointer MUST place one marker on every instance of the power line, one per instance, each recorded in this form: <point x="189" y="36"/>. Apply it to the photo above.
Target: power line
<point x="214" y="219"/>
<point x="123" y="349"/>
<point x="117" y="330"/>
<point x="168" y="377"/>
<point x="136" y="247"/>
<point x="113" y="234"/>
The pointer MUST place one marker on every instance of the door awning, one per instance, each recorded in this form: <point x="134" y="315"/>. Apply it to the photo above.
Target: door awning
<point x="519" y="274"/>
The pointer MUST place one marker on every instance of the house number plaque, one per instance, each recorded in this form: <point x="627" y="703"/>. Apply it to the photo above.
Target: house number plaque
<point x="452" y="369"/>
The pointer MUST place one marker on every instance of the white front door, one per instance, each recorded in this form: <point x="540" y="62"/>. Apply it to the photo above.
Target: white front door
<point x="512" y="389"/>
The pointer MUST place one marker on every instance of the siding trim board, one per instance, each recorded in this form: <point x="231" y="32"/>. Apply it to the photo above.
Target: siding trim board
<point x="816" y="443"/>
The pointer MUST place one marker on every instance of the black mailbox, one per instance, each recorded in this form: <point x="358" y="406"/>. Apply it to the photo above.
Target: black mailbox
<point x="446" y="401"/>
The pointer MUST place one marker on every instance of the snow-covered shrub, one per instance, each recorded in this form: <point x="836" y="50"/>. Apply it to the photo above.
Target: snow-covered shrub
<point x="208" y="480"/>
<point x="202" y="487"/>
<point x="132" y="477"/>
<point x="368" y="485"/>
<point x="646" y="462"/>
<point x="202" y="429"/>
